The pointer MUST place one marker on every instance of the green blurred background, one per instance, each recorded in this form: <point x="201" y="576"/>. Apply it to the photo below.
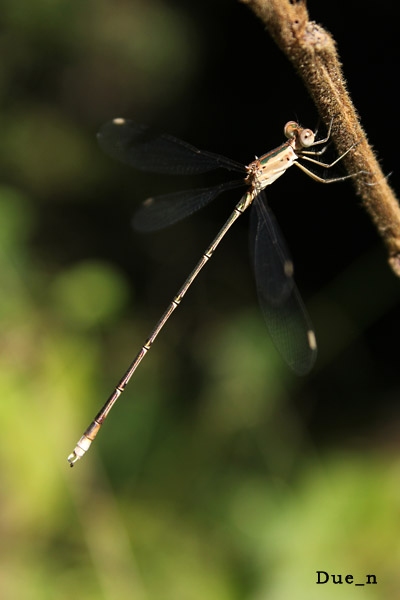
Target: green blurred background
<point x="219" y="474"/>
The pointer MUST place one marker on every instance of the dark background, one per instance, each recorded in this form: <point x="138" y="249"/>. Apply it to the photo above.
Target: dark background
<point x="219" y="474"/>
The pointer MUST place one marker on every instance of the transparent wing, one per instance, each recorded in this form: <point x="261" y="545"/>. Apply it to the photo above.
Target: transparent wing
<point x="270" y="252"/>
<point x="148" y="150"/>
<point x="162" y="211"/>
<point x="283" y="309"/>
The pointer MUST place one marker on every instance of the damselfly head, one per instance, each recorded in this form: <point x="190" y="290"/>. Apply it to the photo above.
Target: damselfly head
<point x="304" y="138"/>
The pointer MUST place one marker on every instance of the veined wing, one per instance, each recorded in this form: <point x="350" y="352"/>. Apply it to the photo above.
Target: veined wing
<point x="162" y="211"/>
<point x="285" y="314"/>
<point x="148" y="150"/>
<point x="270" y="252"/>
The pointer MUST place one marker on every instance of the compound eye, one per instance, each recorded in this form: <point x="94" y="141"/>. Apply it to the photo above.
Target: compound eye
<point x="290" y="129"/>
<point x="307" y="138"/>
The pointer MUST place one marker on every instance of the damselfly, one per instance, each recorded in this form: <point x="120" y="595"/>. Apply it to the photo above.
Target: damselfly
<point x="286" y="317"/>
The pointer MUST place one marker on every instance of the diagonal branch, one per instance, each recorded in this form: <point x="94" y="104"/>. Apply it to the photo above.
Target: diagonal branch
<point x="312" y="51"/>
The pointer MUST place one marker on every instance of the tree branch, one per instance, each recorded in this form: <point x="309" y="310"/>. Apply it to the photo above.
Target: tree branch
<point x="312" y="51"/>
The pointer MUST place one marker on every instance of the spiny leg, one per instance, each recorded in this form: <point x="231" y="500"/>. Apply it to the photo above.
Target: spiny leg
<point x="321" y="179"/>
<point x="326" y="165"/>
<point x="315" y="152"/>
<point x="328" y="135"/>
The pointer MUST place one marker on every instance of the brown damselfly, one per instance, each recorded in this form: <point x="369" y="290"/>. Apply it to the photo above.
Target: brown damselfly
<point x="286" y="317"/>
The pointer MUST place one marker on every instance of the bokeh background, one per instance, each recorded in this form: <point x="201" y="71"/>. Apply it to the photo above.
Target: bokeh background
<point x="219" y="474"/>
